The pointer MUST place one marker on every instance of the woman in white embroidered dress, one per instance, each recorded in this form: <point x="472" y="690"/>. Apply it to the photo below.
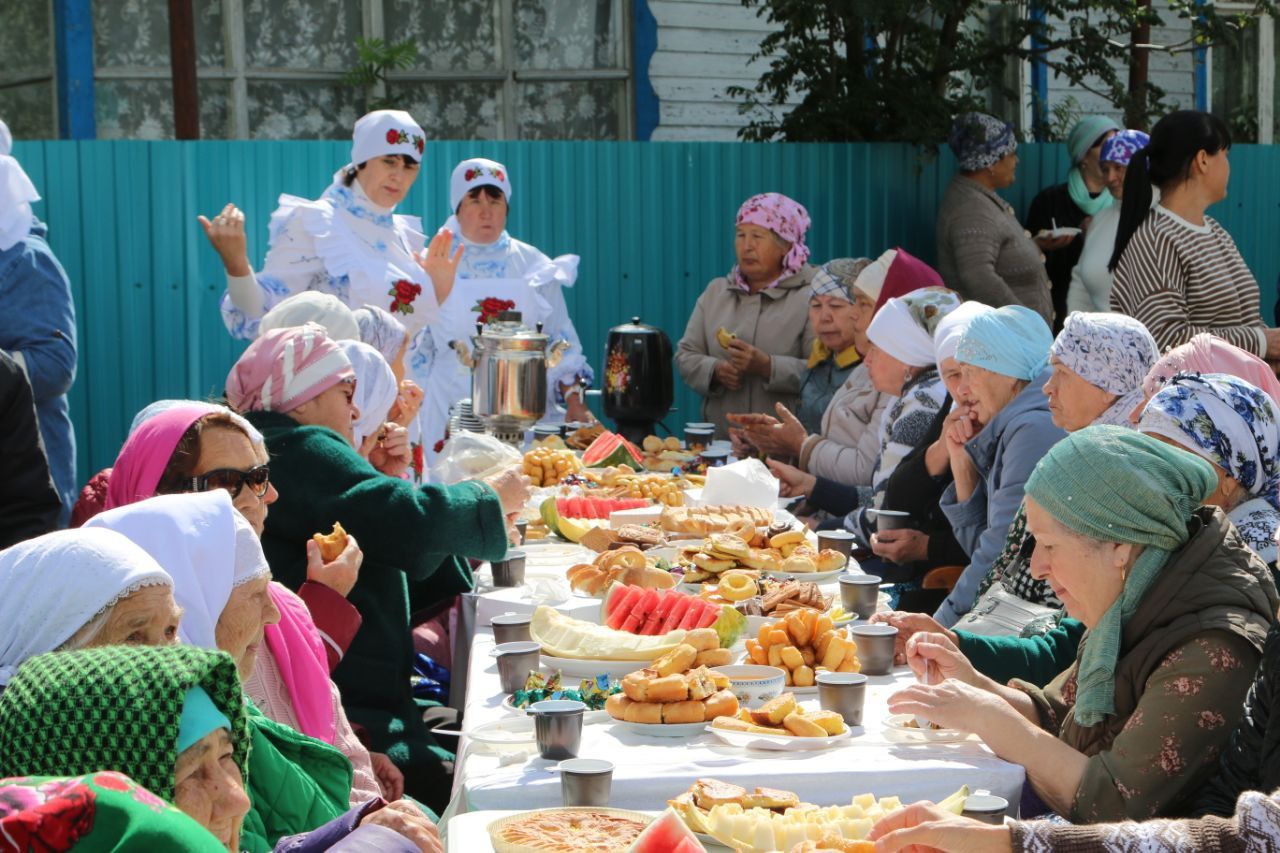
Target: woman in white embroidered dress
<point x="497" y="267"/>
<point x="349" y="242"/>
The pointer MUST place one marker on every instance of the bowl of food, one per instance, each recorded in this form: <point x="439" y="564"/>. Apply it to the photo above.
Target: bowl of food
<point x="753" y="684"/>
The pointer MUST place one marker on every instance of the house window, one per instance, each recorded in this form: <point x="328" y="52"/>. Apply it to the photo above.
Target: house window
<point x="1241" y="86"/>
<point x="272" y="69"/>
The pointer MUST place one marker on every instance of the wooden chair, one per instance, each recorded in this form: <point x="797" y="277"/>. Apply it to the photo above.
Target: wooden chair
<point x="943" y="577"/>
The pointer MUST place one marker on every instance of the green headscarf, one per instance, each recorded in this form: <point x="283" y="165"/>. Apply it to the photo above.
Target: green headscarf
<point x="1116" y="485"/>
<point x="1081" y="138"/>
<point x="113" y="708"/>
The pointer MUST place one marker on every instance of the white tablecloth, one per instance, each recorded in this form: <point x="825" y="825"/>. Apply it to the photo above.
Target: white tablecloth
<point x="648" y="771"/>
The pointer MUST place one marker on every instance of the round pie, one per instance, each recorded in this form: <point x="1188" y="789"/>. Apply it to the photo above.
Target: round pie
<point x="568" y="830"/>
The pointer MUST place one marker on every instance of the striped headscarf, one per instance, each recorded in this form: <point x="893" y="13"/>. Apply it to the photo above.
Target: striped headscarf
<point x="285" y="368"/>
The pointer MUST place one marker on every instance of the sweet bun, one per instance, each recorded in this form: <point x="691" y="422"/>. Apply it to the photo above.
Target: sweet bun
<point x="670" y="688"/>
<point x="635" y="685"/>
<point x="708" y="563"/>
<point x="829" y="560"/>
<point x="801" y="726"/>
<point x="652" y="444"/>
<point x="684" y="712"/>
<point x="799" y="565"/>
<point x="617" y="705"/>
<point x="722" y="703"/>
<point x="676" y="661"/>
<point x="332" y="544"/>
<point x="761" y="560"/>
<point x="714" y="657"/>
<point x="702" y="639"/>
<point x="672" y="443"/>
<point x="644" y="712"/>
<point x="724" y="337"/>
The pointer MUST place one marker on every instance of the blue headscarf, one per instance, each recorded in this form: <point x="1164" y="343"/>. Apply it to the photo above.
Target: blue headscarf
<point x="979" y="140"/>
<point x="1012" y="341"/>
<point x="1121" y="147"/>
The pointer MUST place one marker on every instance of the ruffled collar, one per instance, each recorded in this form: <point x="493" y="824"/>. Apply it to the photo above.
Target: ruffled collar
<point x="847" y="357"/>
<point x="353" y="200"/>
<point x="478" y="251"/>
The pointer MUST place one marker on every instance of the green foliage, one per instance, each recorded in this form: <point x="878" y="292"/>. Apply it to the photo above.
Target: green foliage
<point x="898" y="70"/>
<point x="377" y="58"/>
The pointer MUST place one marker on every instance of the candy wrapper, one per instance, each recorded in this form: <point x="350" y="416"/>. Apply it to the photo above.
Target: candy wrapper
<point x="591" y="691"/>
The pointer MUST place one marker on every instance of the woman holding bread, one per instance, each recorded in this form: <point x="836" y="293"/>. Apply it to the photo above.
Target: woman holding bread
<point x="745" y="345"/>
<point x="1176" y="608"/>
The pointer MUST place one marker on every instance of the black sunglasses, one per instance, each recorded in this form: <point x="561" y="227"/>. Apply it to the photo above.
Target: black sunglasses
<point x="233" y="480"/>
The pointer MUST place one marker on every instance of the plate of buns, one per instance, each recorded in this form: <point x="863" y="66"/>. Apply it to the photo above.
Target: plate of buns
<point x="673" y="697"/>
<point x="781" y="724"/>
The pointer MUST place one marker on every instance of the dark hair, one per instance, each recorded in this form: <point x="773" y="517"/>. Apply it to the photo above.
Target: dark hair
<point x="182" y="464"/>
<point x="1165" y="162"/>
<point x="489" y="190"/>
<point x="350" y="175"/>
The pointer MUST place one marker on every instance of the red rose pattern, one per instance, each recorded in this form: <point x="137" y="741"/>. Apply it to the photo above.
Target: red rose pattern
<point x="400" y="137"/>
<point x="490" y="307"/>
<point x="405" y="292"/>
<point x="438" y="446"/>
<point x="392" y="137"/>
<point x="57" y="823"/>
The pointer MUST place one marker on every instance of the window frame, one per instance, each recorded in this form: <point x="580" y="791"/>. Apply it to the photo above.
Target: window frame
<point x="1265" y="94"/>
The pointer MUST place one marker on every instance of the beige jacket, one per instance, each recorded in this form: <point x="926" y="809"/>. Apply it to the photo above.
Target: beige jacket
<point x="849" y="444"/>
<point x="774" y="320"/>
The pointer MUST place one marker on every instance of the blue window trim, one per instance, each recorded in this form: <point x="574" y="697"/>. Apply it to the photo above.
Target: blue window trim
<point x="1039" y="81"/>
<point x="73" y="43"/>
<point x="645" y="41"/>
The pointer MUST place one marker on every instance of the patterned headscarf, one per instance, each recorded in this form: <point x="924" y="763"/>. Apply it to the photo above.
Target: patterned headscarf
<point x="1235" y="426"/>
<point x="1121" y="147"/>
<point x="1109" y="351"/>
<point x="979" y="140"/>
<point x="1206" y="353"/>
<point x="904" y="327"/>
<point x="784" y="217"/>
<point x="836" y="277"/>
<point x="380" y="330"/>
<point x="1117" y="485"/>
<point x="285" y="368"/>
<point x="1012" y="341"/>
<point x="115" y="707"/>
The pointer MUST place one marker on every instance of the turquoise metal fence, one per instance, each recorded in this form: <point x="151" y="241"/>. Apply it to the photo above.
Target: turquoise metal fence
<point x="652" y="222"/>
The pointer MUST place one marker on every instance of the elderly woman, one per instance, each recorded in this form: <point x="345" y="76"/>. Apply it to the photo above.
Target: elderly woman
<point x="983" y="252"/>
<point x="900" y="361"/>
<point x="496" y="268"/>
<point x="1090" y="288"/>
<point x="745" y="345"/>
<point x="375" y="396"/>
<point x="382" y="331"/>
<point x="295" y="386"/>
<point x="1176" y="269"/>
<point x="1206" y="353"/>
<point x="195" y="755"/>
<point x="994" y="438"/>
<point x="1072" y="204"/>
<point x="81" y="588"/>
<point x="1236" y="427"/>
<point x="839" y="325"/>
<point x="1176" y="608"/>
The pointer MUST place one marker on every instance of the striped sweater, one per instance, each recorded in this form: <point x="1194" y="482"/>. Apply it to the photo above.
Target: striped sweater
<point x="1182" y="279"/>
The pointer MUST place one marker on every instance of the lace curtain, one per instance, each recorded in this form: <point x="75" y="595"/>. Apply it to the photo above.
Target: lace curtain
<point x="26" y="51"/>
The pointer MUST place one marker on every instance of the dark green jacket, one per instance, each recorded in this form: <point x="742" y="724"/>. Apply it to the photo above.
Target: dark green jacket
<point x="296" y="783"/>
<point x="408" y="534"/>
<point x="1037" y="660"/>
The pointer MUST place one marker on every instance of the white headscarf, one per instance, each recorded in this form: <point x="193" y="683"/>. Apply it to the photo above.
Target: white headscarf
<point x="56" y="584"/>
<point x="310" y="306"/>
<point x="159" y="406"/>
<point x="380" y="330"/>
<point x="946" y="338"/>
<point x="205" y="545"/>
<point x="376" y="388"/>
<point x="871" y="280"/>
<point x="16" y="194"/>
<point x="476" y="172"/>
<point x="904" y="325"/>
<point x="383" y="132"/>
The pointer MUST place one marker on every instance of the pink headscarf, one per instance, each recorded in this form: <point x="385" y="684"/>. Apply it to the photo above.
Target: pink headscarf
<point x="295" y="643"/>
<point x="285" y="368"/>
<point x="1206" y="353"/>
<point x="137" y="470"/>
<point x="784" y="217"/>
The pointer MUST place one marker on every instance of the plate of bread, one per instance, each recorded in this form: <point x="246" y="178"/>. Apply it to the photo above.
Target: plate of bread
<point x="781" y="724"/>
<point x="672" y="697"/>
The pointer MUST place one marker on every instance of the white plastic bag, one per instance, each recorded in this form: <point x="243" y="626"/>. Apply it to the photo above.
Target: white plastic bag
<point x="472" y="456"/>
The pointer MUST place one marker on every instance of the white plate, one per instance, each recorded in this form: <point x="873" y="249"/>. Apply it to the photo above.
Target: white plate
<point x="509" y="734"/>
<point x="1055" y="233"/>
<point x="895" y="725"/>
<point x="781" y="743"/>
<point x="684" y="730"/>
<point x="811" y="577"/>
<point x="554" y="554"/>
<point x="589" y="668"/>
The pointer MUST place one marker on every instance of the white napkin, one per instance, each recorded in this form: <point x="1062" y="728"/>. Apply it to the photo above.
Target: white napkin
<point x="544" y="589"/>
<point x="747" y="483"/>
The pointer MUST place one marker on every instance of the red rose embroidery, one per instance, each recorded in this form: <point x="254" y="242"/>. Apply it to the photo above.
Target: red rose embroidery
<point x="420" y="457"/>
<point x="405" y="292"/>
<point x="56" y="824"/>
<point x="498" y="175"/>
<point x="392" y="137"/>
<point x="469" y="174"/>
<point x="419" y="143"/>
<point x="490" y="307"/>
<point x="438" y="446"/>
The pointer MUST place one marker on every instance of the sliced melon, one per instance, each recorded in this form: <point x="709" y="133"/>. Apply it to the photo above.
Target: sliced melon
<point x="566" y="637"/>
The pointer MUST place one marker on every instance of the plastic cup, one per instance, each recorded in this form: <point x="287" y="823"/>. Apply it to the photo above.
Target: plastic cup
<point x="875" y="647"/>
<point x="843" y="692"/>
<point x="557" y="728"/>
<point x="515" y="661"/>
<point x="585" y="782"/>
<point x="509" y="571"/>
<point x="890" y="519"/>
<point x="986" y="807"/>
<point x="860" y="594"/>
<point x="511" y="628"/>
<point x="837" y="540"/>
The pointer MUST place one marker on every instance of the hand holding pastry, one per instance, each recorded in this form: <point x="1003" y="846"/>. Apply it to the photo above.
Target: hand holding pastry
<point x="339" y="571"/>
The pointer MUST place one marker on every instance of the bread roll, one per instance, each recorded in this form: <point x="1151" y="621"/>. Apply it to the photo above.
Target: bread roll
<point x="676" y="661"/>
<point x="332" y="544"/>
<point x="649" y="713"/>
<point x="714" y="657"/>
<point x="828" y="560"/>
<point x="688" y="711"/>
<point x="722" y="703"/>
<point x="617" y="705"/>
<point x="671" y="688"/>
<point x="702" y="639"/>
<point x="635" y="684"/>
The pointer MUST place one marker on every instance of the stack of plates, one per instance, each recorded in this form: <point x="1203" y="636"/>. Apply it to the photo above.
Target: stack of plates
<point x="462" y="417"/>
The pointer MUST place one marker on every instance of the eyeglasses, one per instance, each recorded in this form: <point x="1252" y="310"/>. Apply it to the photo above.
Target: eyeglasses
<point x="258" y="477"/>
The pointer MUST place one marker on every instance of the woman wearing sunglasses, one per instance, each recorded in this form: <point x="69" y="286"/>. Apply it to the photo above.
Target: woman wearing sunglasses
<point x="199" y="447"/>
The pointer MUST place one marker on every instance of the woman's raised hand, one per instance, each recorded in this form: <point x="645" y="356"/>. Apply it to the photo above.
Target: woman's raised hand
<point x="341" y="574"/>
<point x="512" y="487"/>
<point x="408" y="401"/>
<point x="441" y="265"/>
<point x="392" y="452"/>
<point x="226" y="234"/>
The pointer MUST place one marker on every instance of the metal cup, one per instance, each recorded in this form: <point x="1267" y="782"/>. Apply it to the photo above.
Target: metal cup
<point x="843" y="692"/>
<point x="986" y="807"/>
<point x="509" y="571"/>
<point x="699" y="435"/>
<point x="515" y="660"/>
<point x="522" y="527"/>
<point x="837" y="540"/>
<point x="585" y="782"/>
<point x="860" y="594"/>
<point x="891" y="519"/>
<point x="875" y="647"/>
<point x="511" y="628"/>
<point x="557" y="727"/>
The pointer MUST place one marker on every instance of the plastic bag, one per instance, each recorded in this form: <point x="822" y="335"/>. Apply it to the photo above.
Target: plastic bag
<point x="472" y="456"/>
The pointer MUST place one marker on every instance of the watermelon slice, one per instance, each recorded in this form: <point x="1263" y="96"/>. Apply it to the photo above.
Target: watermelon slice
<point x="710" y="614"/>
<point x="616" y="619"/>
<point x="657" y="615"/>
<point x="667" y="834"/>
<point x="691" y="617"/>
<point x="677" y="612"/>
<point x="611" y="449"/>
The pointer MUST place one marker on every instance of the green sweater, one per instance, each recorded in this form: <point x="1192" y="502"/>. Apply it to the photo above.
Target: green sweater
<point x="408" y="534"/>
<point x="1035" y="659"/>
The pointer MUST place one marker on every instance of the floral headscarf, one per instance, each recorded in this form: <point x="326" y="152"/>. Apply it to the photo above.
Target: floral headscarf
<point x="979" y="140"/>
<point x="784" y="217"/>
<point x="1109" y="351"/>
<point x="1235" y="426"/>
<point x="1121" y="147"/>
